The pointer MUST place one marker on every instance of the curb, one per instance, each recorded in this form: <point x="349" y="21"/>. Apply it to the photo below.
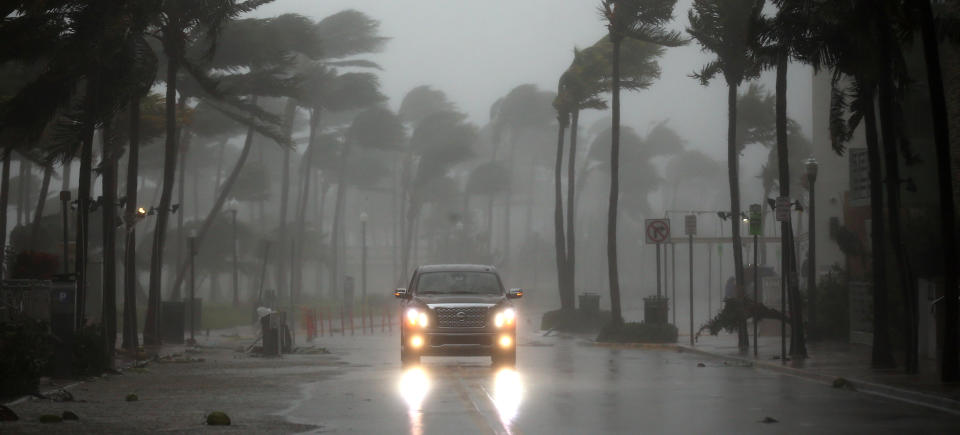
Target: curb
<point x="899" y="394"/>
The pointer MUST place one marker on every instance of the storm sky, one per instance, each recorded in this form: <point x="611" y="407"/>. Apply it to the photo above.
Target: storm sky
<point x="477" y="51"/>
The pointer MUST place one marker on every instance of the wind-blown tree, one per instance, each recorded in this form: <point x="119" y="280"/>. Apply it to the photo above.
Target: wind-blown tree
<point x="272" y="73"/>
<point x="490" y="179"/>
<point x="524" y="109"/>
<point x="728" y="29"/>
<point x="950" y="362"/>
<point x="178" y="23"/>
<point x="581" y="87"/>
<point x="439" y="142"/>
<point x="643" y="20"/>
<point x="846" y="44"/>
<point x="376" y="128"/>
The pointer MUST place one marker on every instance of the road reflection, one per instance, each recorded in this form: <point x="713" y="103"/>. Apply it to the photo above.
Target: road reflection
<point x="414" y="386"/>
<point x="507" y="395"/>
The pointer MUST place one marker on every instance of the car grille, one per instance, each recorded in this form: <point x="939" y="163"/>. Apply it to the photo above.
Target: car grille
<point x="461" y="317"/>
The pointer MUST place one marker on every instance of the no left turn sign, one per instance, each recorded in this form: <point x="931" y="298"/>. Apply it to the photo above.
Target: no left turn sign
<point x="657" y="230"/>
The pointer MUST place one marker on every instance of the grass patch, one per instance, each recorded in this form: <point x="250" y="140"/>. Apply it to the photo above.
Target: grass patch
<point x="638" y="333"/>
<point x="574" y="321"/>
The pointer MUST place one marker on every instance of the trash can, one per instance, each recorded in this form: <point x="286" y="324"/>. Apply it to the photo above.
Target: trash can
<point x="172" y="319"/>
<point x="276" y="334"/>
<point x="655" y="310"/>
<point x="62" y="323"/>
<point x="590" y="303"/>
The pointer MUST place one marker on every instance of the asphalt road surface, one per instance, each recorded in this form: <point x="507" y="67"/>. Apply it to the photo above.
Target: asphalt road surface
<point x="567" y="385"/>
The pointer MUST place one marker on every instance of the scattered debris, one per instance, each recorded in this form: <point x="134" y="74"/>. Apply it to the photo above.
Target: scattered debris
<point x="132" y="397"/>
<point x="49" y="418"/>
<point x="58" y="395"/>
<point x="545" y="334"/>
<point x="218" y="418"/>
<point x="313" y="350"/>
<point x="701" y="365"/>
<point x="768" y="420"/>
<point x="844" y="384"/>
<point x="7" y="414"/>
<point x="67" y="415"/>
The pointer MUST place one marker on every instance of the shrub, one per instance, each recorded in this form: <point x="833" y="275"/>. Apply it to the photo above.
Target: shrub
<point x="638" y="333"/>
<point x="89" y="351"/>
<point x="25" y="347"/>
<point x="34" y="265"/>
<point x="833" y="302"/>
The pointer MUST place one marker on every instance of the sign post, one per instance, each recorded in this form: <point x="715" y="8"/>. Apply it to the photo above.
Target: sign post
<point x="690" y="225"/>
<point x="756" y="227"/>
<point x="783" y="216"/>
<point x="657" y="232"/>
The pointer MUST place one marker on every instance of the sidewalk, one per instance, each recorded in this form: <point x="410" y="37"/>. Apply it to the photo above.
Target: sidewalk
<point x="828" y="361"/>
<point x="178" y="389"/>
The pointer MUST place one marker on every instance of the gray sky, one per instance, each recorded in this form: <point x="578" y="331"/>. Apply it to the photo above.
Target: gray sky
<point x="477" y="51"/>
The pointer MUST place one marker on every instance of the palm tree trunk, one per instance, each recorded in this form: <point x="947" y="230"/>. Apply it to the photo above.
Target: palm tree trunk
<point x="83" y="220"/>
<point x="288" y="116"/>
<point x="891" y="162"/>
<point x="336" y="233"/>
<point x="949" y="368"/>
<point x="560" y="245"/>
<point x="304" y="200"/>
<point x="733" y="162"/>
<point x="798" y="346"/>
<point x="152" y="327"/>
<point x="571" y="265"/>
<point x="41" y="202"/>
<point x="130" y="339"/>
<point x="613" y="273"/>
<point x="109" y="228"/>
<point x="882" y="356"/>
<point x="217" y="204"/>
<point x="4" y="201"/>
<point x="181" y="185"/>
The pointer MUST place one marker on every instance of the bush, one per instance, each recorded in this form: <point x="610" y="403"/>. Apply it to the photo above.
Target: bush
<point x="638" y="333"/>
<point x="34" y="265"/>
<point x="833" y="302"/>
<point x="25" y="348"/>
<point x="728" y="319"/>
<point x="574" y="321"/>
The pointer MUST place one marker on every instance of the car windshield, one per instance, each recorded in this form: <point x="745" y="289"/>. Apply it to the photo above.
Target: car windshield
<point x="471" y="283"/>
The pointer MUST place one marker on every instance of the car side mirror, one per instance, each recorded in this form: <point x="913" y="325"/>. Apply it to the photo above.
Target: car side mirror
<point x="400" y="293"/>
<point x="515" y="293"/>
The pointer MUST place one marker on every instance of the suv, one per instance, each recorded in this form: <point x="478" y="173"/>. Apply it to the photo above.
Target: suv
<point x="458" y="310"/>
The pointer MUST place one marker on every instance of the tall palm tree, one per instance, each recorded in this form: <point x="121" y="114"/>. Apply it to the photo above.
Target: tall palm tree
<point x="728" y="29"/>
<point x="178" y="21"/>
<point x="643" y="20"/>
<point x="846" y="43"/>
<point x="950" y="362"/>
<point x="561" y="244"/>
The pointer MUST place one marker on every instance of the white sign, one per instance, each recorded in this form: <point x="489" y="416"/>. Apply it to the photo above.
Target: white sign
<point x="690" y="224"/>
<point x="657" y="230"/>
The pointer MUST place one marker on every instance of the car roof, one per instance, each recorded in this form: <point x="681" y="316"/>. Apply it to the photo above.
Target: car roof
<point x="456" y="268"/>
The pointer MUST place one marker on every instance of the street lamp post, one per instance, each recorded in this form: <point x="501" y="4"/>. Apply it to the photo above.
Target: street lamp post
<point x="64" y="207"/>
<point x="811" y="167"/>
<point x="363" y="256"/>
<point x="236" y="288"/>
<point x="191" y="248"/>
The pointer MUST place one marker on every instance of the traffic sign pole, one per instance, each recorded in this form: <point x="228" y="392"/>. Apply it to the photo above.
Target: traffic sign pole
<point x="690" y="225"/>
<point x="756" y="227"/>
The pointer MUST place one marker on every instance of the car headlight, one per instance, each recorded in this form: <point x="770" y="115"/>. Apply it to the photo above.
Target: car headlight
<point x="505" y="318"/>
<point x="415" y="317"/>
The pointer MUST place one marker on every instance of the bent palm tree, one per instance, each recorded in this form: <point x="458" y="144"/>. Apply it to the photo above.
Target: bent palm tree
<point x="642" y="20"/>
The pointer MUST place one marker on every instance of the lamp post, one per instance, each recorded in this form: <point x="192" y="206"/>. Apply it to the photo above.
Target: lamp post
<point x="192" y="252"/>
<point x="363" y="256"/>
<point x="233" y="223"/>
<point x="64" y="207"/>
<point x="811" y="167"/>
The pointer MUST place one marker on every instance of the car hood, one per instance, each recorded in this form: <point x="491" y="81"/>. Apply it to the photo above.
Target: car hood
<point x="433" y="301"/>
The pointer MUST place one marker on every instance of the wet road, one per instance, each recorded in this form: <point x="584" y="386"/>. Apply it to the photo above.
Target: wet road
<point x="567" y="385"/>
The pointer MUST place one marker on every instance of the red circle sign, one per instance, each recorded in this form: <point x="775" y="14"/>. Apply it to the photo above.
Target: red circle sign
<point x="658" y="231"/>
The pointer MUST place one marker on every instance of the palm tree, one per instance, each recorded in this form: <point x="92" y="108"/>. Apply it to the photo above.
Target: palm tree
<point x="561" y="245"/>
<point x="178" y="22"/>
<point x="727" y="28"/>
<point x="642" y="20"/>
<point x="846" y="43"/>
<point x="949" y="369"/>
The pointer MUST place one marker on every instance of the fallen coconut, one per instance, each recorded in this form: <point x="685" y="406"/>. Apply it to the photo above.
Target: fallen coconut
<point x="218" y="418"/>
<point x="132" y="397"/>
<point x="49" y="418"/>
<point x="67" y="415"/>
